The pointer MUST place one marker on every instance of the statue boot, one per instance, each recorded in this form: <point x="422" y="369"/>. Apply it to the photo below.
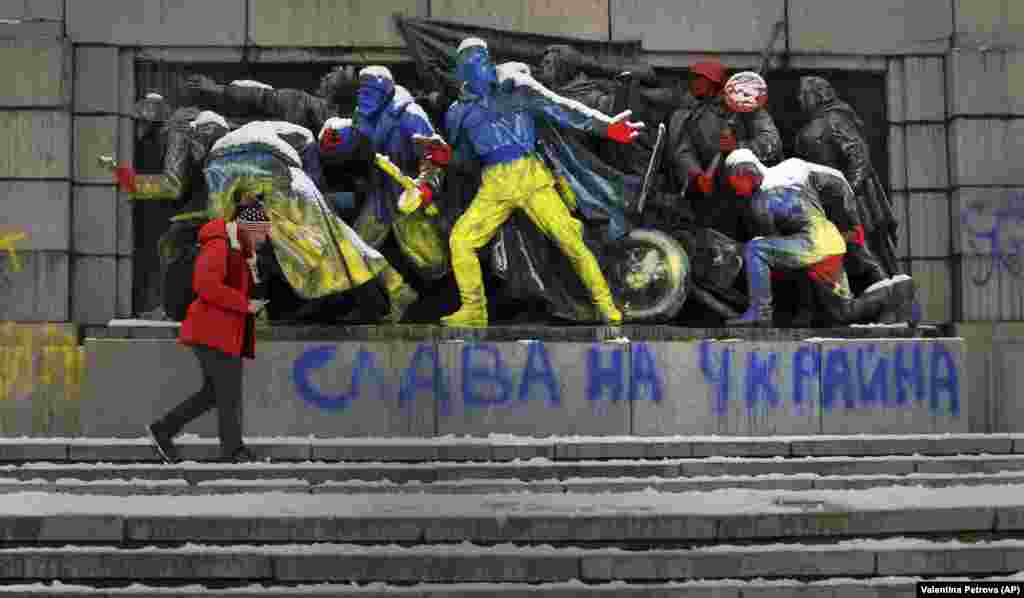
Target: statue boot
<point x="400" y="294"/>
<point x="469" y="278"/>
<point x="902" y="305"/>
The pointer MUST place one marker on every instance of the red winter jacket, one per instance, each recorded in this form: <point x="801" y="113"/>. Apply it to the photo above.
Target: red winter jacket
<point x="219" y="317"/>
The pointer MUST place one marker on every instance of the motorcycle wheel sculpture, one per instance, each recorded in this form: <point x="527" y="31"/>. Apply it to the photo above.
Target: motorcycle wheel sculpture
<point x="649" y="275"/>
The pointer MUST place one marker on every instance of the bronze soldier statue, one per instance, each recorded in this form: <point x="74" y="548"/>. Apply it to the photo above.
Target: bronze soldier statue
<point x="834" y="136"/>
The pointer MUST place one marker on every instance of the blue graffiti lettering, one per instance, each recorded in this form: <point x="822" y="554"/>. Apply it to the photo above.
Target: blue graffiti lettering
<point x="806" y="367"/>
<point x="873" y="390"/>
<point x="318" y="357"/>
<point x="601" y="377"/>
<point x="913" y="375"/>
<point x="720" y="378"/>
<point x="435" y="382"/>
<point x="538" y="370"/>
<point x="944" y="380"/>
<point x="475" y="375"/>
<point x="837" y="379"/>
<point x="1004" y="255"/>
<point x="760" y="381"/>
<point x="644" y="373"/>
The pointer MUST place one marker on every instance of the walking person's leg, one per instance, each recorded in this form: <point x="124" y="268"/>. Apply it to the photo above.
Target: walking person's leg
<point x="227" y="387"/>
<point x="171" y="424"/>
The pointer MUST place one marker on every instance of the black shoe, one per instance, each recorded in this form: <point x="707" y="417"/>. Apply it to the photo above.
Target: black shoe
<point x="163" y="444"/>
<point x="243" y="455"/>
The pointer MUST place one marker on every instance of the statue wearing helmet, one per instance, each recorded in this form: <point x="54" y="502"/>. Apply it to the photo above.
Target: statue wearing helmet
<point x="698" y="134"/>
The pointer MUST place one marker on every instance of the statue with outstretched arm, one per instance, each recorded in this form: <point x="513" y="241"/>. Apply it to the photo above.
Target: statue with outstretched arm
<point x="495" y="122"/>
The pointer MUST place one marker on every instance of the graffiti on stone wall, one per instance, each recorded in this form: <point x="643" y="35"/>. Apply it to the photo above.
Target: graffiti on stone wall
<point x="996" y="230"/>
<point x="827" y="376"/>
<point x="847" y="376"/>
<point x="41" y="367"/>
<point x="9" y="261"/>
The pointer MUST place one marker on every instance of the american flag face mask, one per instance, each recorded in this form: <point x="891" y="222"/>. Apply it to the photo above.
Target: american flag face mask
<point x="252" y="218"/>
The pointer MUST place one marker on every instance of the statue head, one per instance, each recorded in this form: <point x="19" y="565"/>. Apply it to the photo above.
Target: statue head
<point x="814" y="93"/>
<point x="376" y="89"/>
<point x="151" y="112"/>
<point x="557" y="67"/>
<point x="708" y="78"/>
<point x="474" y="68"/>
<point x="337" y="85"/>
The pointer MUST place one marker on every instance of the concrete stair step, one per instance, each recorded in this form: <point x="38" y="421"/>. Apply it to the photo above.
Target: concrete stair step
<point x="464" y="563"/>
<point x="647" y="518"/>
<point x="887" y="587"/>
<point x="182" y="486"/>
<point x="507" y="448"/>
<point x="532" y="470"/>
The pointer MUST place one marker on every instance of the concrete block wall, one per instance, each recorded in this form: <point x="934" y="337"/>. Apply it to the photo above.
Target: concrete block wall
<point x="985" y="83"/>
<point x="101" y="214"/>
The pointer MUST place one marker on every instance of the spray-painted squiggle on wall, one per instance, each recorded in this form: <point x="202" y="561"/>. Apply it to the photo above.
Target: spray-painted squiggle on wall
<point x="43" y="365"/>
<point x="996" y="230"/>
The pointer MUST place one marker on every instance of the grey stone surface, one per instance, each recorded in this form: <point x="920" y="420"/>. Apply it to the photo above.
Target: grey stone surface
<point x="30" y="10"/>
<point x="97" y="81"/>
<point x="990" y="291"/>
<point x="43" y="66"/>
<point x="653" y="565"/>
<point x="695" y="25"/>
<point x="117" y="564"/>
<point x="39" y="451"/>
<point x="94" y="289"/>
<point x="345" y="396"/>
<point x="341" y="23"/>
<point x="40" y="209"/>
<point x="119" y="369"/>
<point x="926" y="156"/>
<point x="126" y="85"/>
<point x="934" y="280"/>
<point x="900" y="207"/>
<point x="39" y="291"/>
<point x="78" y="528"/>
<point x="589" y="18"/>
<point x="863" y="391"/>
<point x="94" y="136"/>
<point x="989" y="23"/>
<point x="883" y="27"/>
<point x="896" y="95"/>
<point x="532" y="375"/>
<point x="985" y="82"/>
<point x="745" y="448"/>
<point x="686" y="406"/>
<point x="158" y="23"/>
<point x="123" y="307"/>
<point x="963" y="560"/>
<point x="925" y="88"/>
<point x="36" y="144"/>
<point x="94" y="215"/>
<point x="897" y="157"/>
<point x="981" y="151"/>
<point x="928" y="225"/>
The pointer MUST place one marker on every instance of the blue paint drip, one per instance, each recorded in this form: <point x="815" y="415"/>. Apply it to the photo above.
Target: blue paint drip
<point x="802" y="371"/>
<point x="760" y="380"/>
<point x="719" y="379"/>
<point x="645" y="373"/>
<point x="837" y="379"/>
<point x="948" y="383"/>
<point x="600" y="377"/>
<point x="538" y="369"/>
<point x="873" y="390"/>
<point x="413" y="383"/>
<point x="472" y="374"/>
<point x="913" y="375"/>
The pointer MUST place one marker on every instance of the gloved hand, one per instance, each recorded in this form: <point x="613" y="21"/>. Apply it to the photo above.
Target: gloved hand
<point x="623" y="130"/>
<point x="412" y="199"/>
<point x="727" y="141"/>
<point x="330" y="140"/>
<point x="856" y="235"/>
<point x="743" y="184"/>
<point x="440" y="154"/>
<point x="125" y="177"/>
<point x="702" y="180"/>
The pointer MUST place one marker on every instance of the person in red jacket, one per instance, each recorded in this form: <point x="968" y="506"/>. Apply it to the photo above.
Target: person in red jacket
<point x="219" y="328"/>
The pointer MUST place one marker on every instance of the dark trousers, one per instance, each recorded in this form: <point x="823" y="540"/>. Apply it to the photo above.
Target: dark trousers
<point x="222" y="388"/>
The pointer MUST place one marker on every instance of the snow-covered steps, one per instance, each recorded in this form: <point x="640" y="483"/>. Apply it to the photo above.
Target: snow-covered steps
<point x="466" y="563"/>
<point x="506" y="448"/>
<point x="181" y="486"/>
<point x="528" y="470"/>
<point x="885" y="587"/>
<point x="647" y="518"/>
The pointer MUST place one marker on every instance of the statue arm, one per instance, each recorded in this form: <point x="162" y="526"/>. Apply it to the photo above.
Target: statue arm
<point x="681" y="153"/>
